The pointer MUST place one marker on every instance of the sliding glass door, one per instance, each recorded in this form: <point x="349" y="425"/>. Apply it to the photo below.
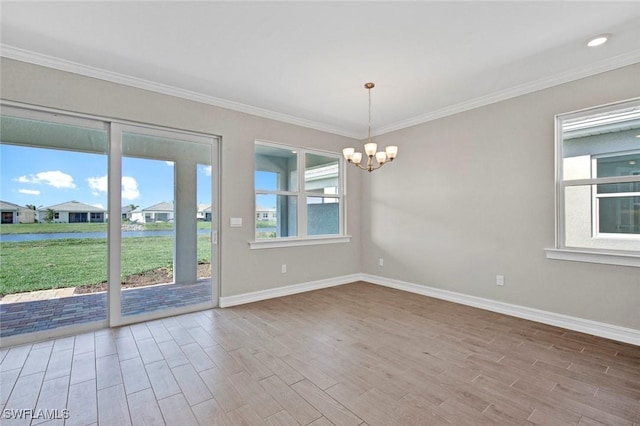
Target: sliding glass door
<point x="168" y="229"/>
<point x="103" y="223"/>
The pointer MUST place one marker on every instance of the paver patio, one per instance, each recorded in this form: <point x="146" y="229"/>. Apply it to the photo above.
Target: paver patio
<point x="39" y="315"/>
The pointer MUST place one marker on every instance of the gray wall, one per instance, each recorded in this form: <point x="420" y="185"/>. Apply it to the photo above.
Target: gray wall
<point x="472" y="195"/>
<point x="242" y="270"/>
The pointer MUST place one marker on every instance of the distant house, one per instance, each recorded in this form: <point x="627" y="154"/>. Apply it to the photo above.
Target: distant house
<point x="74" y="212"/>
<point x="161" y="212"/>
<point x="204" y="212"/>
<point x="266" y="214"/>
<point x="127" y="211"/>
<point x="14" y="213"/>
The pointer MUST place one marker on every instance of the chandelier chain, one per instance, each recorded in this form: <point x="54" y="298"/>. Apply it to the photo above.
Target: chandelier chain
<point x="369" y="136"/>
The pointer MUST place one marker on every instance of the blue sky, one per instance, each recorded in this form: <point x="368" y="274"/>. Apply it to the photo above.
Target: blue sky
<point x="269" y="181"/>
<point x="45" y="177"/>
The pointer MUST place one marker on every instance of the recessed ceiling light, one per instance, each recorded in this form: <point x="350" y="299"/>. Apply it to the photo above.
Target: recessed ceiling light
<point x="598" y="40"/>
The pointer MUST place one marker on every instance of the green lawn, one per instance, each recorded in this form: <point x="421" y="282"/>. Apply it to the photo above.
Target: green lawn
<point x="50" y="228"/>
<point x="266" y="224"/>
<point x="43" y="265"/>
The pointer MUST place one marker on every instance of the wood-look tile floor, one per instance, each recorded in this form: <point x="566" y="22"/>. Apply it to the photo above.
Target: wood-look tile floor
<point x="356" y="354"/>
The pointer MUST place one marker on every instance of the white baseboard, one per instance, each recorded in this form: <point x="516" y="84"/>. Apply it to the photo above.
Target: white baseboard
<point x="256" y="296"/>
<point x="609" y="331"/>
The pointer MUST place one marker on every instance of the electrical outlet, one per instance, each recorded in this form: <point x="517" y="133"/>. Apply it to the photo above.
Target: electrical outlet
<point x="381" y="262"/>
<point x="284" y="269"/>
<point x="500" y="280"/>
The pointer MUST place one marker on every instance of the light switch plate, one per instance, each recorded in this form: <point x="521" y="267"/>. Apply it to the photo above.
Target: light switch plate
<point x="235" y="222"/>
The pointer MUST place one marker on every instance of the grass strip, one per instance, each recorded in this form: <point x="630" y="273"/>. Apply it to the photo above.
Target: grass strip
<point x="52" y="228"/>
<point x="49" y="264"/>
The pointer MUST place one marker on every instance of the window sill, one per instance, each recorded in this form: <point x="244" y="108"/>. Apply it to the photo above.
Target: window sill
<point x="293" y="242"/>
<point x="607" y="258"/>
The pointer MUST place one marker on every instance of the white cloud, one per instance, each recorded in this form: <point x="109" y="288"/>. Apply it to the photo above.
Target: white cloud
<point x="129" y="186"/>
<point x="206" y="170"/>
<point x="169" y="163"/>
<point x="29" y="191"/>
<point x="55" y="178"/>
<point x="98" y="184"/>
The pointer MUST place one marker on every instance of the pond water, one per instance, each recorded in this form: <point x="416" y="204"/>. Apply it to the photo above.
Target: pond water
<point x="16" y="238"/>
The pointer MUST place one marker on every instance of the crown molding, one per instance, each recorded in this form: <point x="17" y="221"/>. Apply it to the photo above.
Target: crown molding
<point x="609" y="64"/>
<point x="31" y="57"/>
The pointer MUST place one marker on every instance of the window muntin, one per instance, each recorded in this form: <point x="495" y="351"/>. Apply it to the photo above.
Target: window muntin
<point x="297" y="205"/>
<point x="599" y="178"/>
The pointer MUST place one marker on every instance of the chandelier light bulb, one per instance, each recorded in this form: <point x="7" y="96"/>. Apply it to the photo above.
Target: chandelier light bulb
<point x="391" y="151"/>
<point x="348" y="153"/>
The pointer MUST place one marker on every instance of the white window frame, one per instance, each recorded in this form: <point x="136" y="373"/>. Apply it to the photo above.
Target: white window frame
<point x="591" y="255"/>
<point x="302" y="239"/>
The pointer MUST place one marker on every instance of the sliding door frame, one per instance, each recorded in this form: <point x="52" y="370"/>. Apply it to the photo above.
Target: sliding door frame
<point x="115" y="127"/>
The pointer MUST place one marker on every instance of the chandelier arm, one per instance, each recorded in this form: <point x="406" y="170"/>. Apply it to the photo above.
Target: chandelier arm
<point x="379" y="165"/>
<point x="370" y="167"/>
<point x="357" y="165"/>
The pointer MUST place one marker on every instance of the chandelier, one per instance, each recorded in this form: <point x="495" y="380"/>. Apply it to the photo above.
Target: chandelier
<point x="370" y="148"/>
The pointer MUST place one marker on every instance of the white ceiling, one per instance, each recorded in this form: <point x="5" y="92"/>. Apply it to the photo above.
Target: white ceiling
<point x="307" y="62"/>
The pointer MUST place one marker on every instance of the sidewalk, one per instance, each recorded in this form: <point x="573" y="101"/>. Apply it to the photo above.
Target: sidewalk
<point x="31" y="296"/>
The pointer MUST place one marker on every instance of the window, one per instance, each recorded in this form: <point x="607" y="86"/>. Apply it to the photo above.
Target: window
<point x="297" y="206"/>
<point x="7" y="217"/>
<point x="598" y="182"/>
<point x="617" y="205"/>
<point x="321" y="184"/>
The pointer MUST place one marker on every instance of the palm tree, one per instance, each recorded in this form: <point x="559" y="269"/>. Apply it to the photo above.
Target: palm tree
<point x="127" y="216"/>
<point x="49" y="215"/>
